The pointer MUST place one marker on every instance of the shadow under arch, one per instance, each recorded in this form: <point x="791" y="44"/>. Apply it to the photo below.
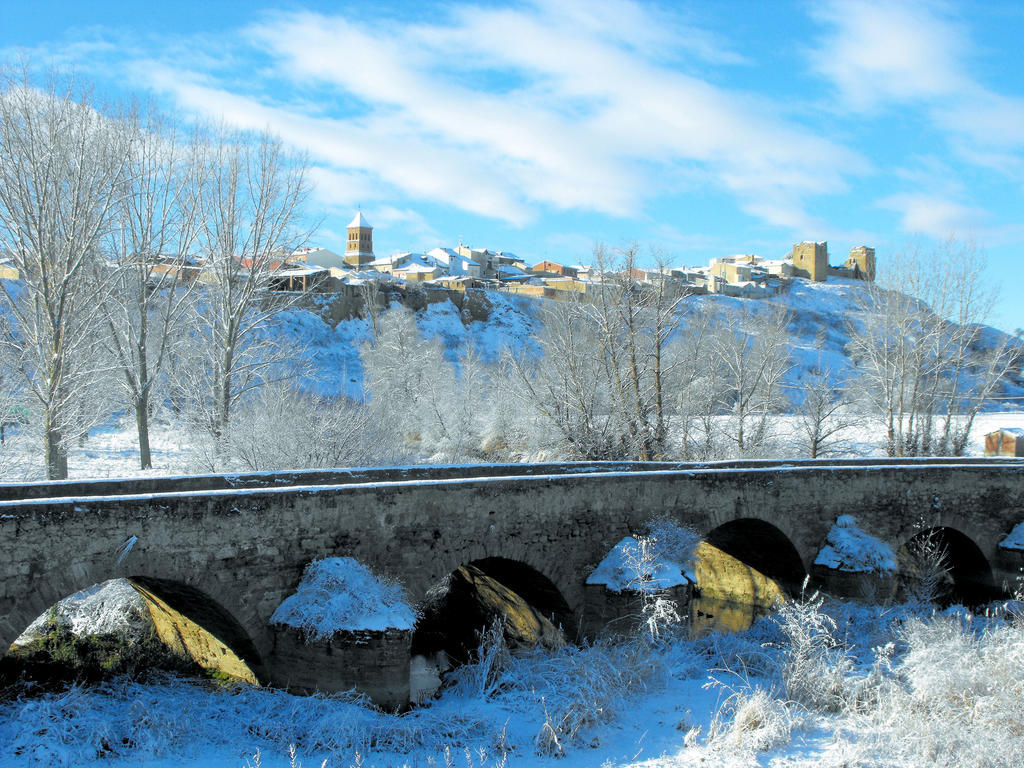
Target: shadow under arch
<point x="763" y="547"/>
<point x="191" y="626"/>
<point x="217" y="634"/>
<point x="452" y="619"/>
<point x="961" y="572"/>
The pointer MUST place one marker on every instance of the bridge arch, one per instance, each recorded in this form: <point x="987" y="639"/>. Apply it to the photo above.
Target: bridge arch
<point x="221" y="632"/>
<point x="454" y="610"/>
<point x="953" y="561"/>
<point x="763" y="546"/>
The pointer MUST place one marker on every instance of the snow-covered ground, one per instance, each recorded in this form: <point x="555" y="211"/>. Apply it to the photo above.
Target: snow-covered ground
<point x="719" y="700"/>
<point x="111" y="450"/>
<point x="845" y="686"/>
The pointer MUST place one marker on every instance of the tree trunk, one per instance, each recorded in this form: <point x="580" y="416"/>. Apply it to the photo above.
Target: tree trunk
<point x="142" y="425"/>
<point x="56" y="453"/>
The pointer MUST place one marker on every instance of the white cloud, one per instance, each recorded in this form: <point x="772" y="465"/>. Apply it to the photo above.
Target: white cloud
<point x="933" y="216"/>
<point x="507" y="111"/>
<point x="877" y="52"/>
<point x="913" y="53"/>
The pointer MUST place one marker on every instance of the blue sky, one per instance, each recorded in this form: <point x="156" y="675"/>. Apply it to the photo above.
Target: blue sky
<point x="693" y="129"/>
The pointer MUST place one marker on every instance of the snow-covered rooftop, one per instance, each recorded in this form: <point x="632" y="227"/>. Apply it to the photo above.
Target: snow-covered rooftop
<point x="359" y="221"/>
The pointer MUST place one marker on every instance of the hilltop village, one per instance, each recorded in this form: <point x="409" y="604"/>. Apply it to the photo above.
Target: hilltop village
<point x="321" y="270"/>
<point x="462" y="268"/>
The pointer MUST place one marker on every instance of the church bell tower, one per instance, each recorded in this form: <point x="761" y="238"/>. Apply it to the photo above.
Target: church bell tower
<point x="359" y="248"/>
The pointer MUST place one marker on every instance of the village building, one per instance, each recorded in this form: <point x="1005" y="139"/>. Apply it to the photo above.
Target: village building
<point x="554" y="268"/>
<point x="333" y="262"/>
<point x="454" y="263"/>
<point x="861" y="263"/>
<point x="483" y="257"/>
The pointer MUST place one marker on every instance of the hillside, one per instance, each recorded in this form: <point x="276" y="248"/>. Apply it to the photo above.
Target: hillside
<point x="818" y="337"/>
<point x="819" y="331"/>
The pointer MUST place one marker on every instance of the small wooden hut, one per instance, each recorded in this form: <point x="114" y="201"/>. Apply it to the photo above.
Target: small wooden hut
<point x="1005" y="442"/>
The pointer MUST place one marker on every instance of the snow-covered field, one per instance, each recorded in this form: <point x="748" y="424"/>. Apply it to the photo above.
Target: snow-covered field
<point x="846" y="685"/>
<point x="111" y="450"/>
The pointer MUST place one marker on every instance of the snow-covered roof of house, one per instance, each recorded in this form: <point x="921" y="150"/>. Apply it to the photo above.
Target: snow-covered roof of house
<point x="417" y="267"/>
<point x="509" y="270"/>
<point x="1015" y="431"/>
<point x="359" y="221"/>
<point x="299" y="270"/>
<point x="398" y="259"/>
<point x="324" y="257"/>
<point x="443" y="255"/>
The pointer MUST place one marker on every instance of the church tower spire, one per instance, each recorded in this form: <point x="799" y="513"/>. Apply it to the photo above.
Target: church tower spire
<point x="359" y="248"/>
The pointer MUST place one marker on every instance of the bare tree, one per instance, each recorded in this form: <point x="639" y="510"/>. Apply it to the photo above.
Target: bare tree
<point x="411" y="382"/>
<point x="564" y="384"/>
<point x="279" y="428"/>
<point x="634" y="320"/>
<point x="823" y="416"/>
<point x="927" y="363"/>
<point x="62" y="165"/>
<point x="698" y="383"/>
<point x="150" y="275"/>
<point x="751" y="348"/>
<point x="249" y="214"/>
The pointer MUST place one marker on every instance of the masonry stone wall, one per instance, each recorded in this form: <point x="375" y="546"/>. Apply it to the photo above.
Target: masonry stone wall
<point x="246" y="547"/>
<point x="375" y="663"/>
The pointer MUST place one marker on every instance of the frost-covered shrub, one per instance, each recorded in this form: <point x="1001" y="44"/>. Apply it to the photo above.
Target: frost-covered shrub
<point x="339" y="593"/>
<point x="815" y="665"/>
<point x="953" y="699"/>
<point x="752" y="720"/>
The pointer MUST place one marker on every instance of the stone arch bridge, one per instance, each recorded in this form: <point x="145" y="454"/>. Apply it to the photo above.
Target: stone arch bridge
<point x="243" y="540"/>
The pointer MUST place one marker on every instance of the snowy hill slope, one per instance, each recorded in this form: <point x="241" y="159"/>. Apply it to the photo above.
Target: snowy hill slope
<point x="819" y="334"/>
<point x="820" y="316"/>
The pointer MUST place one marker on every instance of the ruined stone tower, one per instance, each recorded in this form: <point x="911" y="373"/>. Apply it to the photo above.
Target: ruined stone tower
<point x="359" y="248"/>
<point x="810" y="260"/>
<point x="862" y="263"/>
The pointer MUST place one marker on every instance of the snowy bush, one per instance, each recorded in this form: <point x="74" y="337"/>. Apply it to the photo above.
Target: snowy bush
<point x="815" y="665"/>
<point x="339" y="593"/>
<point x="751" y="720"/>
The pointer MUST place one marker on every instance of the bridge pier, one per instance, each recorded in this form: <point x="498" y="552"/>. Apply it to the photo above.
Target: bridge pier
<point x="375" y="663"/>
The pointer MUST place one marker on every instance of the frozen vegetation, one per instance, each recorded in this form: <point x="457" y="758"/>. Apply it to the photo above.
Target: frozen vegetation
<point x="821" y="684"/>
